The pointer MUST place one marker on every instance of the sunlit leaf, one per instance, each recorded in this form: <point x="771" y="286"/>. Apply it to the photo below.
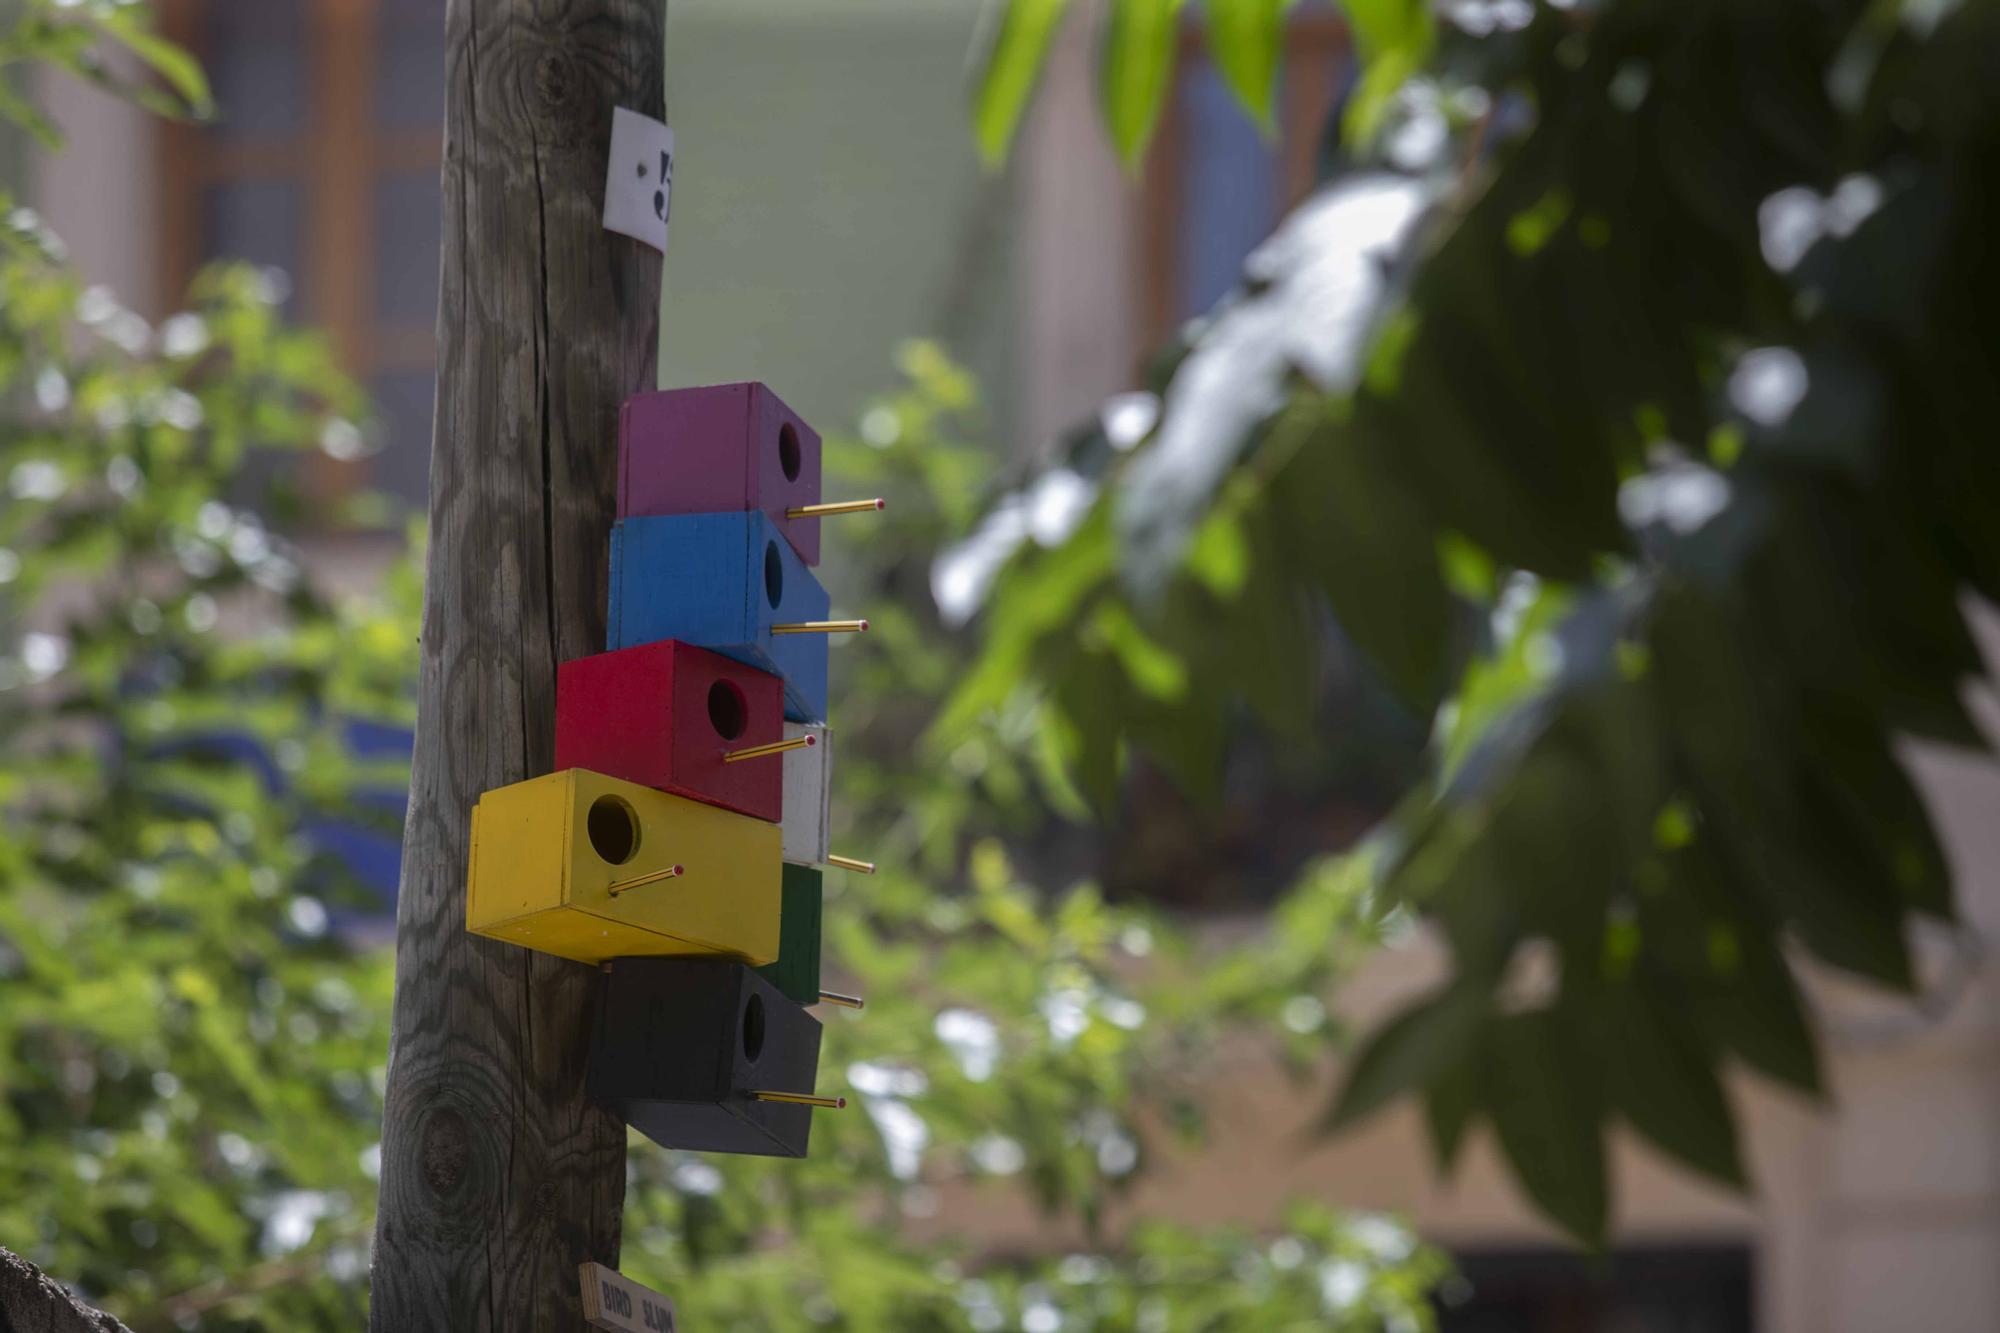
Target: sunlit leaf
<point x="1392" y="39"/>
<point x="1140" y="39"/>
<point x="1010" y="67"/>
<point x="130" y="27"/>
<point x="1321" y="282"/>
<point x="1247" y="39"/>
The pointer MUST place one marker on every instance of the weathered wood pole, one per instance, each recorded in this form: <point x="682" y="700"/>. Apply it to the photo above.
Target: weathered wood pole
<point x="499" y="1177"/>
<point x="33" y="1302"/>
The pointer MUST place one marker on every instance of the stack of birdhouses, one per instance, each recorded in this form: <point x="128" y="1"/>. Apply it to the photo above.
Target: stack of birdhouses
<point x="681" y="839"/>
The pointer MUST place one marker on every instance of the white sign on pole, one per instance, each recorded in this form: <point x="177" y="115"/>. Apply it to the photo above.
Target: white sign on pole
<point x="639" y="178"/>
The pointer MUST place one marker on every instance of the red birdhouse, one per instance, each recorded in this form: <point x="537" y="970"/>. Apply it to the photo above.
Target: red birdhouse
<point x="677" y="718"/>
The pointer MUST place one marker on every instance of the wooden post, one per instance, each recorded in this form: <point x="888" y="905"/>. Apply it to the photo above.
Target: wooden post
<point x="35" y="1303"/>
<point x="499" y="1177"/>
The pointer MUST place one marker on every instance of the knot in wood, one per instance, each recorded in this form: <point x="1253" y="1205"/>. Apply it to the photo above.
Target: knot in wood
<point x="555" y="81"/>
<point x="447" y="1151"/>
<point x="569" y="112"/>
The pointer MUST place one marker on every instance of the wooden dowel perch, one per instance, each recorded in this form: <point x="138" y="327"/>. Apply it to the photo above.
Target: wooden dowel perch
<point x="805" y="742"/>
<point x="837" y="507"/>
<point x="822" y="627"/>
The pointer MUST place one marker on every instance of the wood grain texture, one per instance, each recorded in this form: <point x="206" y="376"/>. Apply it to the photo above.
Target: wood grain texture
<point x="499" y="1176"/>
<point x="32" y="1302"/>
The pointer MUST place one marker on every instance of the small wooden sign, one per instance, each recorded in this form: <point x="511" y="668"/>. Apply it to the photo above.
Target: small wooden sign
<point x="612" y="1300"/>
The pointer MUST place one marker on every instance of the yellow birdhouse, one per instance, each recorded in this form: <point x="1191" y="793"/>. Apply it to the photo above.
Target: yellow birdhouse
<point x="587" y="867"/>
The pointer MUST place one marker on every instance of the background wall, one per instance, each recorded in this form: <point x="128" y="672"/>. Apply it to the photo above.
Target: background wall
<point x="828" y="201"/>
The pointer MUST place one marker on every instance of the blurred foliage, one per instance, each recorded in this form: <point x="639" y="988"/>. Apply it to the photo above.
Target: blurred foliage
<point x="1140" y="41"/>
<point x="191" y="1045"/>
<point x="189" y="1057"/>
<point x="98" y="41"/>
<point x="1625" y="394"/>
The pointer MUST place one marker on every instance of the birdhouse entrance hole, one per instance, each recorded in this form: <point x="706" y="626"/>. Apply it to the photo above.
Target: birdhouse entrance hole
<point x="788" y="451"/>
<point x="753" y="1028"/>
<point x="774" y="574"/>
<point x="613" y="828"/>
<point x="728" y="712"/>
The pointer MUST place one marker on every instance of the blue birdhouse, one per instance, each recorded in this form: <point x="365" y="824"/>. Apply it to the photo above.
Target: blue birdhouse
<point x="730" y="583"/>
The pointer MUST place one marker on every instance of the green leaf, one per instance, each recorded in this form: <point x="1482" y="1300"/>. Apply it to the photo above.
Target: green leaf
<point x="1384" y="25"/>
<point x="1393" y="39"/>
<point x="1854" y="778"/>
<point x="1152" y="667"/>
<point x="1449" y="866"/>
<point x="1012" y="65"/>
<point x="1274" y="638"/>
<point x="182" y="72"/>
<point x="1344" y="520"/>
<point x="1450" y="1106"/>
<point x="1087" y="736"/>
<point x="1733" y="714"/>
<point x="1761" y="1016"/>
<point x="1821" y="873"/>
<point x="1699" y="923"/>
<point x="1409" y="1051"/>
<point x="1138" y="68"/>
<point x="1542" y="1087"/>
<point x="1662" y="1079"/>
<point x="1247" y="39"/>
<point x="24" y="113"/>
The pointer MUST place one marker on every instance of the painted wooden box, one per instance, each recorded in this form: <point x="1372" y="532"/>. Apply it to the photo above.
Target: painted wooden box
<point x="722" y="581"/>
<point x="808" y="785"/>
<point x="681" y="1043"/>
<point x="666" y="715"/>
<point x="796" y="972"/>
<point x="554" y="860"/>
<point x="720" y="449"/>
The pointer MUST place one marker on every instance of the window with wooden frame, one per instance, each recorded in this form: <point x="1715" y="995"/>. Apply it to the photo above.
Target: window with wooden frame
<point x="1215" y="184"/>
<point x="323" y="162"/>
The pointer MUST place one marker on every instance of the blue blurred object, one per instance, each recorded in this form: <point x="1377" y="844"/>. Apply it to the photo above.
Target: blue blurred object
<point x="369" y="850"/>
<point x="372" y="852"/>
<point x="1229" y="193"/>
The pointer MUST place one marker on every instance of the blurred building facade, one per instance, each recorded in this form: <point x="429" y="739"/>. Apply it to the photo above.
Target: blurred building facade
<point x="827" y="205"/>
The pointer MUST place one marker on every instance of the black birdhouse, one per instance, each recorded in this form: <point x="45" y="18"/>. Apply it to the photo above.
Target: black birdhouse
<point x="687" y="1049"/>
